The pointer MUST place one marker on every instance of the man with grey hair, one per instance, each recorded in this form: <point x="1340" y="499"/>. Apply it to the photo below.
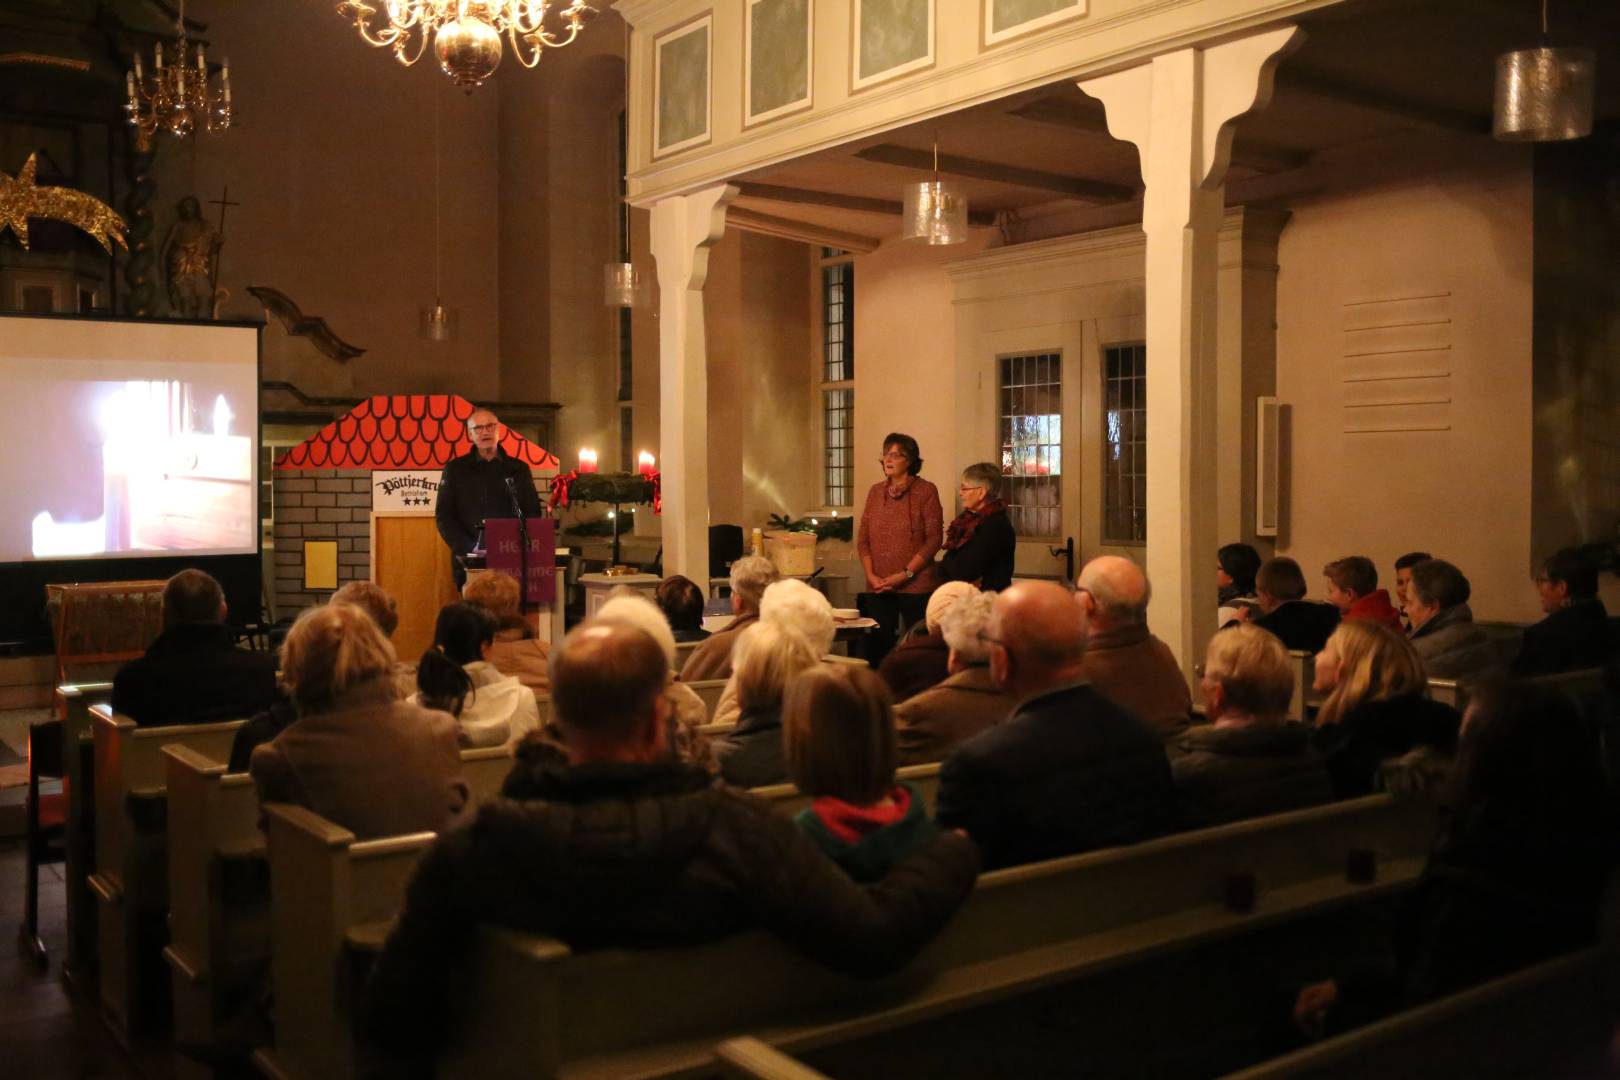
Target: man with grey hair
<point x="750" y="575"/>
<point x="931" y="724"/>
<point x="1128" y="665"/>
<point x="1069" y="771"/>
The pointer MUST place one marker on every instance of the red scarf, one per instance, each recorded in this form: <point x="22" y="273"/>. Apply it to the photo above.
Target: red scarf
<point x="961" y="530"/>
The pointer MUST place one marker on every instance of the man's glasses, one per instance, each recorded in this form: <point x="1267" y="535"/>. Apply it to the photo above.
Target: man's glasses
<point x="485" y="427"/>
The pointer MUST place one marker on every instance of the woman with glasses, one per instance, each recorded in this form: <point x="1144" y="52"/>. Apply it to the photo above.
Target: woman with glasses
<point x="980" y="543"/>
<point x="902" y="526"/>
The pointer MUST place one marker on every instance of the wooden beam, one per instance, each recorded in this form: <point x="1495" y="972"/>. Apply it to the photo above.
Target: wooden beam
<point x="788" y="229"/>
<point x="1246" y="153"/>
<point x="1328" y="88"/>
<point x="861" y="203"/>
<point x="1074" y="187"/>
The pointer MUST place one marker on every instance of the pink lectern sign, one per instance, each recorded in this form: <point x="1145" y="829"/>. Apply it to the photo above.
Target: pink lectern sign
<point x="504" y="556"/>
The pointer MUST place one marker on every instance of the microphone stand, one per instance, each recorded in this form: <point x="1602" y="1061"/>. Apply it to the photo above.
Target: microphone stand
<point x="523" y="542"/>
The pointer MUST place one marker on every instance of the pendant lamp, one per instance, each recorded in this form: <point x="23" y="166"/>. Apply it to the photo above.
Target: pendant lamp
<point x="1544" y="94"/>
<point x="935" y="211"/>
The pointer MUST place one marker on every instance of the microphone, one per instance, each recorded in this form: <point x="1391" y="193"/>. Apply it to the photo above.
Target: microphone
<point x="511" y="486"/>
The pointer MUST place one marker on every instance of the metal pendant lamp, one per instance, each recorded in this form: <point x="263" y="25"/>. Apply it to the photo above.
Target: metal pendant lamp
<point x="935" y="211"/>
<point x="1544" y="94"/>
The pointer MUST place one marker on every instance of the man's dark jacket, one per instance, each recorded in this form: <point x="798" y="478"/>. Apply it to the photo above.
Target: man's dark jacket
<point x="472" y="490"/>
<point x="1303" y="625"/>
<point x="1231" y="773"/>
<point x="1068" y="772"/>
<point x="643" y="856"/>
<point x="920" y="662"/>
<point x="1570" y="639"/>
<point x="195" y="675"/>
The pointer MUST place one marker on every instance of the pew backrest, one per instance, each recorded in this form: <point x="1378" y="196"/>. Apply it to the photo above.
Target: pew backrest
<point x="788" y="799"/>
<point x="1304" y="668"/>
<point x="74" y="701"/>
<point x="751" y="1059"/>
<point x="709" y="690"/>
<point x="326" y="887"/>
<point x="485" y="768"/>
<point x="683" y="652"/>
<point x="1022" y="928"/>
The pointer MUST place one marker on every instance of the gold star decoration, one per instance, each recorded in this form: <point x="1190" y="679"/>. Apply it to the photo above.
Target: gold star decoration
<point x="21" y="199"/>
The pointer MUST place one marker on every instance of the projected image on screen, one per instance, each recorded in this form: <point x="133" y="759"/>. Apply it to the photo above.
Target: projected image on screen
<point x="157" y="459"/>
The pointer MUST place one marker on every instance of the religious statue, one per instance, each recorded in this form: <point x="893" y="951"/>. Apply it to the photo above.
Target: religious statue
<point x="190" y="258"/>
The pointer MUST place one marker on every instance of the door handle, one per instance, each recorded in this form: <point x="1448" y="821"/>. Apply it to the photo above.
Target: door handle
<point x="1067" y="551"/>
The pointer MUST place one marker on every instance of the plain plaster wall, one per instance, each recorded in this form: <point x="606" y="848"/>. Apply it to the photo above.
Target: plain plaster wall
<point x="1452" y="252"/>
<point x="331" y="157"/>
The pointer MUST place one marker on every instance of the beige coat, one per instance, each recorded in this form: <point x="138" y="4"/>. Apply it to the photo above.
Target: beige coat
<point x="712" y="657"/>
<point x="525" y="658"/>
<point x="370" y="763"/>
<point x="1136" y="671"/>
<point x="931" y="724"/>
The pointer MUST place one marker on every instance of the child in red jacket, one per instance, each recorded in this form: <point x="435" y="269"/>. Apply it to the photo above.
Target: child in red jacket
<point x="1353" y="589"/>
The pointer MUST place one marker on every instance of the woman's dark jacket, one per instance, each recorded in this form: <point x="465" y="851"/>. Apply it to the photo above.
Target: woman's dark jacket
<point x="752" y="756"/>
<point x="1230" y="773"/>
<point x="642" y="856"/>
<point x="987" y="556"/>
<point x="1374" y="730"/>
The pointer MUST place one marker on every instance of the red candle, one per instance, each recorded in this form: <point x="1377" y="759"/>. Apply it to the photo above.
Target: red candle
<point x="587" y="461"/>
<point x="647" y="465"/>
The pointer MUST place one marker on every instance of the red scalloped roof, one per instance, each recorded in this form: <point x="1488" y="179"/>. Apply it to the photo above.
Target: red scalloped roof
<point x="403" y="431"/>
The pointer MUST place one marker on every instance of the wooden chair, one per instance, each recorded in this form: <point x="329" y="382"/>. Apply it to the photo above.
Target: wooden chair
<point x="102" y="623"/>
<point x="537" y="1009"/>
<point x="74" y="701"/>
<point x="330" y="895"/>
<point x="1529" y="1023"/>
<point x="131" y="878"/>
<point x="789" y="800"/>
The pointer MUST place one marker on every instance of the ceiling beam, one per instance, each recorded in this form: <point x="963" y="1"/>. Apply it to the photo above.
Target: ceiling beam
<point x="769" y="225"/>
<point x="1090" y="119"/>
<point x="860" y="203"/>
<point x="1309" y="83"/>
<point x="1074" y="187"/>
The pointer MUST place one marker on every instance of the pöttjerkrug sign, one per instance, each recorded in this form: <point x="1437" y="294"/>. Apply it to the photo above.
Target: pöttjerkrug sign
<point x="410" y="491"/>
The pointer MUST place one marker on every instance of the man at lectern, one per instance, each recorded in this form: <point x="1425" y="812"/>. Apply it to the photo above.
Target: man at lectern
<point x="486" y="482"/>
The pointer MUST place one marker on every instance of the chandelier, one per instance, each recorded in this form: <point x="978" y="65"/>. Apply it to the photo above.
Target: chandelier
<point x="176" y="97"/>
<point x="466" y="33"/>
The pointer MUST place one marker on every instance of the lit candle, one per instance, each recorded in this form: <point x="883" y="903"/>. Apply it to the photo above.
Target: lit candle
<point x="138" y="73"/>
<point x="587" y="460"/>
<point x="202" y="67"/>
<point x="129" y="85"/>
<point x="159" y="53"/>
<point x="646" y="464"/>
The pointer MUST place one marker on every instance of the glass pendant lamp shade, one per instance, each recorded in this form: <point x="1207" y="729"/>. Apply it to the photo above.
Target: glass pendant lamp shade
<point x="935" y="211"/>
<point x="621" y="285"/>
<point x="1544" y="94"/>
<point x="439" y="322"/>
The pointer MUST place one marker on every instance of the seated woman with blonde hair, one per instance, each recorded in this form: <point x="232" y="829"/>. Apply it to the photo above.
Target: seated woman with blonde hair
<point x="515" y="650"/>
<point x="455" y="675"/>
<point x="767" y="657"/>
<point x="838" y="732"/>
<point x="357" y="755"/>
<point x="1377" y="705"/>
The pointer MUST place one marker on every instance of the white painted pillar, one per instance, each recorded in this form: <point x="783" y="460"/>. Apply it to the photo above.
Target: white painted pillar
<point x="1178" y="109"/>
<point x="684" y="227"/>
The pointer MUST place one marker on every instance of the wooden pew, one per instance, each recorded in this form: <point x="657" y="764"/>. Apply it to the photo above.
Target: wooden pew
<point x="130" y="882"/>
<point x="219" y="883"/>
<point x="1304" y="668"/>
<point x="1553" y="1019"/>
<point x="683" y="652"/>
<point x="73" y="703"/>
<point x="329" y="893"/>
<point x="789" y="800"/>
<point x="537" y="1009"/>
<point x="1449" y="692"/>
<point x="709" y="690"/>
<point x="751" y="1059"/>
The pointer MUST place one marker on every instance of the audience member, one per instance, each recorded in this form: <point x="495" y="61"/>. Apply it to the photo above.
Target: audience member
<point x="1300" y="624"/>
<point x="799" y="607"/>
<point x="901" y="528"/>
<point x="357" y="755"/>
<point x="1236" y="565"/>
<point x="1443" y="630"/>
<point x="687" y="713"/>
<point x="1377" y="705"/>
<point x="768" y="657"/>
<point x="1353" y="589"/>
<point x="838" y="730"/>
<point x="624" y="847"/>
<point x="1575" y="633"/>
<point x="681" y="601"/>
<point x="1126" y="663"/>
<point x="980" y="543"/>
<point x="1249" y="760"/>
<point x="515" y="651"/>
<point x="194" y="673"/>
<point x="930" y="725"/>
<point x="1516" y="874"/>
<point x="455" y="675"/>
<point x="711" y="659"/>
<point x="1069" y="771"/>
<point x="374" y="601"/>
<point x="920" y="661"/>
<point x="1403" y="576"/>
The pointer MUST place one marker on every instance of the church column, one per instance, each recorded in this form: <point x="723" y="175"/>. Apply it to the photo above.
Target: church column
<point x="684" y="227"/>
<point x="1178" y="109"/>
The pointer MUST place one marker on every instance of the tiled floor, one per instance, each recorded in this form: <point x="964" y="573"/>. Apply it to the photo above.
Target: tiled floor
<point x="46" y="1032"/>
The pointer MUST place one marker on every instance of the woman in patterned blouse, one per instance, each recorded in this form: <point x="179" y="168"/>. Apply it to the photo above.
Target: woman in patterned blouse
<point x="902" y="527"/>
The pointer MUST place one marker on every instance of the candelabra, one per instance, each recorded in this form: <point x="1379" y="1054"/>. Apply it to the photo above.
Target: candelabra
<point x="466" y="33"/>
<point x="177" y="97"/>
